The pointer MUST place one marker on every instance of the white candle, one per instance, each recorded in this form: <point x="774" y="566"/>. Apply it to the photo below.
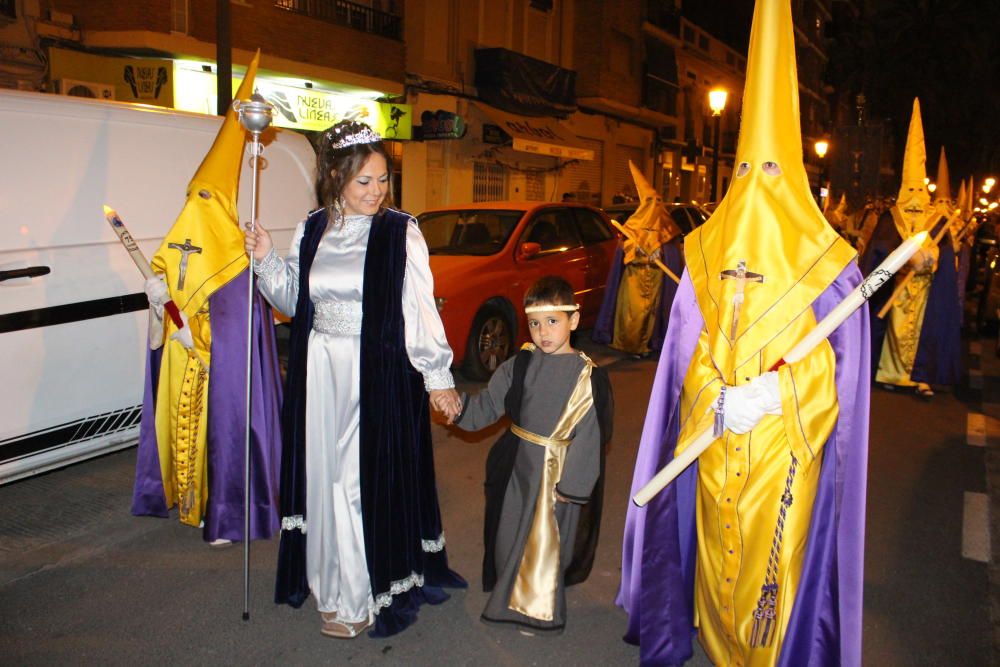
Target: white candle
<point x="881" y="275"/>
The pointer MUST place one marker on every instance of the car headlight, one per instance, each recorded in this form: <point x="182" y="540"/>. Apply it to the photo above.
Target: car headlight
<point x="439" y="301"/>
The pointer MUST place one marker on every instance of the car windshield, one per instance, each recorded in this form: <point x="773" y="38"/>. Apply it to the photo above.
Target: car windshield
<point x="468" y="232"/>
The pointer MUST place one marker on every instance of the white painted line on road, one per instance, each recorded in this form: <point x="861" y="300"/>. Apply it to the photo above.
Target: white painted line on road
<point x="975" y="430"/>
<point x="975" y="527"/>
<point x="975" y="378"/>
<point x="975" y="348"/>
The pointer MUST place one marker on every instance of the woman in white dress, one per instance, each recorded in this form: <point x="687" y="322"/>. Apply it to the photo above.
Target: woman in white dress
<point x="367" y="348"/>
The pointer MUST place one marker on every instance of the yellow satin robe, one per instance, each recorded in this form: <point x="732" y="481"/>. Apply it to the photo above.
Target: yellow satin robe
<point x="906" y="319"/>
<point x="638" y="303"/>
<point x="741" y="482"/>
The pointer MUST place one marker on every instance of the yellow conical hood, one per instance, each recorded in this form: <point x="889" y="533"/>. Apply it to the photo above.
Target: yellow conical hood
<point x="943" y="191"/>
<point x="962" y="197"/>
<point x="769" y="217"/>
<point x="651" y="224"/>
<point x="970" y="198"/>
<point x="220" y="170"/>
<point x="913" y="201"/>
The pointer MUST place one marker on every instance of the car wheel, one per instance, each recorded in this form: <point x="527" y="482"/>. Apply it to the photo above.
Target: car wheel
<point x="490" y="343"/>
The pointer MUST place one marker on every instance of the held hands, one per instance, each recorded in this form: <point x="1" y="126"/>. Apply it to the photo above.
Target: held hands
<point x="447" y="402"/>
<point x="183" y="336"/>
<point x="257" y="243"/>
<point x="745" y="405"/>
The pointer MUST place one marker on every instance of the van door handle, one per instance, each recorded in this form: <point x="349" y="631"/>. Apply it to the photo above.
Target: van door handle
<point x="26" y="272"/>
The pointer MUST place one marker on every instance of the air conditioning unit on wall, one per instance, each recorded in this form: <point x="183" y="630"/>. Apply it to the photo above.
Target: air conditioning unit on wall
<point x="97" y="91"/>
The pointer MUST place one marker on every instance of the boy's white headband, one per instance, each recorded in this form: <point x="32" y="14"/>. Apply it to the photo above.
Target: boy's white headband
<point x="546" y="309"/>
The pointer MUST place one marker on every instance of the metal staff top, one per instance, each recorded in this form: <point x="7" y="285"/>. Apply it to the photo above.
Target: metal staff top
<point x="255" y="114"/>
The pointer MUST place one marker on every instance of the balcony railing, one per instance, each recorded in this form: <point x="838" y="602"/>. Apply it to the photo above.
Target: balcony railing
<point x="347" y="14"/>
<point x="664" y="14"/>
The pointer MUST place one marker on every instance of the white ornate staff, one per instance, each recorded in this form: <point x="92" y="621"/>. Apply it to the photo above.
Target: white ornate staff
<point x="882" y="274"/>
<point x="255" y="116"/>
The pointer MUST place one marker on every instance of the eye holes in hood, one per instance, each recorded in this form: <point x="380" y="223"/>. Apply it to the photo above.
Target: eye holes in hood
<point x="771" y="168"/>
<point x="743" y="169"/>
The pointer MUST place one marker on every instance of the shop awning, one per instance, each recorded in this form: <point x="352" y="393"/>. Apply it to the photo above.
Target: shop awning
<point x="541" y="135"/>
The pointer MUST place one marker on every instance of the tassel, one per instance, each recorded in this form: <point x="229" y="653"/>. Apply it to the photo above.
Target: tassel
<point x="719" y="426"/>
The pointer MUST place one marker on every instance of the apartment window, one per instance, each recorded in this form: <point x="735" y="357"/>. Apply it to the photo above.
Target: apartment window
<point x="703" y="42"/>
<point x="364" y="17"/>
<point x="488" y="182"/>
<point x="179" y="16"/>
<point x="8" y="8"/>
<point x="541" y="5"/>
<point x="689" y="34"/>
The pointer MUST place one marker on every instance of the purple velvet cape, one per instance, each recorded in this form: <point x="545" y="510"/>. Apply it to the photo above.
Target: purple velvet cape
<point x="399" y="505"/>
<point x="604" y="327"/>
<point x="226" y="422"/>
<point x="658" y="557"/>
<point x="939" y="352"/>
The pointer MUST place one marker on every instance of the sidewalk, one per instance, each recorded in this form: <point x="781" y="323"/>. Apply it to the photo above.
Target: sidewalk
<point x="988" y="377"/>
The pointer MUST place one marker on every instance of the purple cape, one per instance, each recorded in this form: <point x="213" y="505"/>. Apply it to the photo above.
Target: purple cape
<point x="226" y="423"/>
<point x="658" y="557"/>
<point x="939" y="352"/>
<point x="604" y="327"/>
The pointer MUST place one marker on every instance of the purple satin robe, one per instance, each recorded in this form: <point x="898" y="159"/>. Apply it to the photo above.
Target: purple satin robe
<point x="226" y="423"/>
<point x="659" y="549"/>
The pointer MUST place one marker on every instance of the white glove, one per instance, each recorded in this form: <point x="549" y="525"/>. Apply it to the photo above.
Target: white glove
<point x="745" y="405"/>
<point x="183" y="336"/>
<point x="157" y="294"/>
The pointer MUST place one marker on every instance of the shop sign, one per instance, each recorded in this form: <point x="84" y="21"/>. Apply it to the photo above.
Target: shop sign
<point x="298" y="107"/>
<point x="441" y="124"/>
<point x="146" y="80"/>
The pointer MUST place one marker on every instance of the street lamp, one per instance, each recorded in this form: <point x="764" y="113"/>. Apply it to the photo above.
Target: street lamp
<point x="931" y="187"/>
<point x="717" y="102"/>
<point x="821" y="147"/>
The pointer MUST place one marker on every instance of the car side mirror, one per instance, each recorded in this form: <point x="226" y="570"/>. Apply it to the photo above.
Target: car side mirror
<point x="529" y="249"/>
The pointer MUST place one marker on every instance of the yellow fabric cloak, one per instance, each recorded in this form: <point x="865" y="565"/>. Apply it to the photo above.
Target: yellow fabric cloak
<point x="751" y="536"/>
<point x="202" y="252"/>
<point x="639" y="290"/>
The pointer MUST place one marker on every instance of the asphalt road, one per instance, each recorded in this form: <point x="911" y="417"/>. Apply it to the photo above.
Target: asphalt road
<point x="83" y="582"/>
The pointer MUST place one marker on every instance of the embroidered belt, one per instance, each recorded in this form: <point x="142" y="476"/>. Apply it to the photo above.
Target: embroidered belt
<point x="538" y="439"/>
<point x="340" y="318"/>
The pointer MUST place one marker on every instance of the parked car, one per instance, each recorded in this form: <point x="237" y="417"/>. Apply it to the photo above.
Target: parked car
<point x="687" y="216"/>
<point x="485" y="256"/>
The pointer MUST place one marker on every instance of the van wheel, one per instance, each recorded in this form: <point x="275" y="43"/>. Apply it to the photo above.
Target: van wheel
<point x="490" y="342"/>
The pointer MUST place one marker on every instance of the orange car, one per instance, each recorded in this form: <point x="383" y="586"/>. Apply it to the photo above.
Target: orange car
<point x="485" y="256"/>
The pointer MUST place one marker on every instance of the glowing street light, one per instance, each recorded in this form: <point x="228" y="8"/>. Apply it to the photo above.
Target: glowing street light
<point x="931" y="187"/>
<point x="717" y="102"/>
<point x="821" y="147"/>
<point x="984" y="201"/>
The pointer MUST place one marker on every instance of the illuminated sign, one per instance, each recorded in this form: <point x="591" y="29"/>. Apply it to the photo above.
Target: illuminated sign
<point x="298" y="107"/>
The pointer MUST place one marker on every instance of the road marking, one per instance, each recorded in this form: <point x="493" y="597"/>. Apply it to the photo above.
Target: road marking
<point x="975" y="348"/>
<point x="975" y="378"/>
<point x="975" y="527"/>
<point x="975" y="430"/>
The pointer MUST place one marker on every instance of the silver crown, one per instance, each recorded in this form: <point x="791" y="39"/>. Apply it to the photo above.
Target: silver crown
<point x="340" y="140"/>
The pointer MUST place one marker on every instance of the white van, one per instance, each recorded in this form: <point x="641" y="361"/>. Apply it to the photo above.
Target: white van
<point x="73" y="337"/>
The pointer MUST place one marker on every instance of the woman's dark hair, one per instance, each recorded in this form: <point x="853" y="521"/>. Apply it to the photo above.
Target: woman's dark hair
<point x="550" y="291"/>
<point x="336" y="163"/>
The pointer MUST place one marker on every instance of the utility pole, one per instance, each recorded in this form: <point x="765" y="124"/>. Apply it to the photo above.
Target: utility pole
<point x="223" y="58"/>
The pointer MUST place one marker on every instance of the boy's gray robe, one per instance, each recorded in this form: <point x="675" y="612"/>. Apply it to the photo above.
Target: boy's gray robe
<point x="548" y="384"/>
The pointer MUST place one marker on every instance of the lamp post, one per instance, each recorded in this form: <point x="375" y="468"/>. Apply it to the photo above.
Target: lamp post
<point x="717" y="102"/>
<point x="821" y="147"/>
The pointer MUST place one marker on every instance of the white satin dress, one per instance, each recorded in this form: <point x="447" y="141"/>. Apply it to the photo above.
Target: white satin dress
<point x="335" y="548"/>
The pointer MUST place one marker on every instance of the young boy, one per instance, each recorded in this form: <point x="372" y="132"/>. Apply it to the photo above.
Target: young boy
<point x="544" y="475"/>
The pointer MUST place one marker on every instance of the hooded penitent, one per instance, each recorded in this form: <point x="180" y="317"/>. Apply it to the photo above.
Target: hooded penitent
<point x="201" y="253"/>
<point x="759" y="548"/>
<point x="637" y="294"/>
<point x="651" y="224"/>
<point x="913" y="201"/>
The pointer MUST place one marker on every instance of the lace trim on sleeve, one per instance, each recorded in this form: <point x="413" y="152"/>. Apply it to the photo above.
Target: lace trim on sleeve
<point x="293" y="522"/>
<point x="268" y="267"/>
<point x="439" y="379"/>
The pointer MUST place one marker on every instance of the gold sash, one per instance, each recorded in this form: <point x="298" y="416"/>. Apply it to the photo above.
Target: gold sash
<point x="534" y="591"/>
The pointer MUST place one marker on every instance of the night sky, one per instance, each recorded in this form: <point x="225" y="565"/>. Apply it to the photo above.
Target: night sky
<point x="946" y="52"/>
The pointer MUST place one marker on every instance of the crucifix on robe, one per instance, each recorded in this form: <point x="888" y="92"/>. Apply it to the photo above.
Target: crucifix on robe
<point x="186" y="249"/>
<point x="741" y="276"/>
